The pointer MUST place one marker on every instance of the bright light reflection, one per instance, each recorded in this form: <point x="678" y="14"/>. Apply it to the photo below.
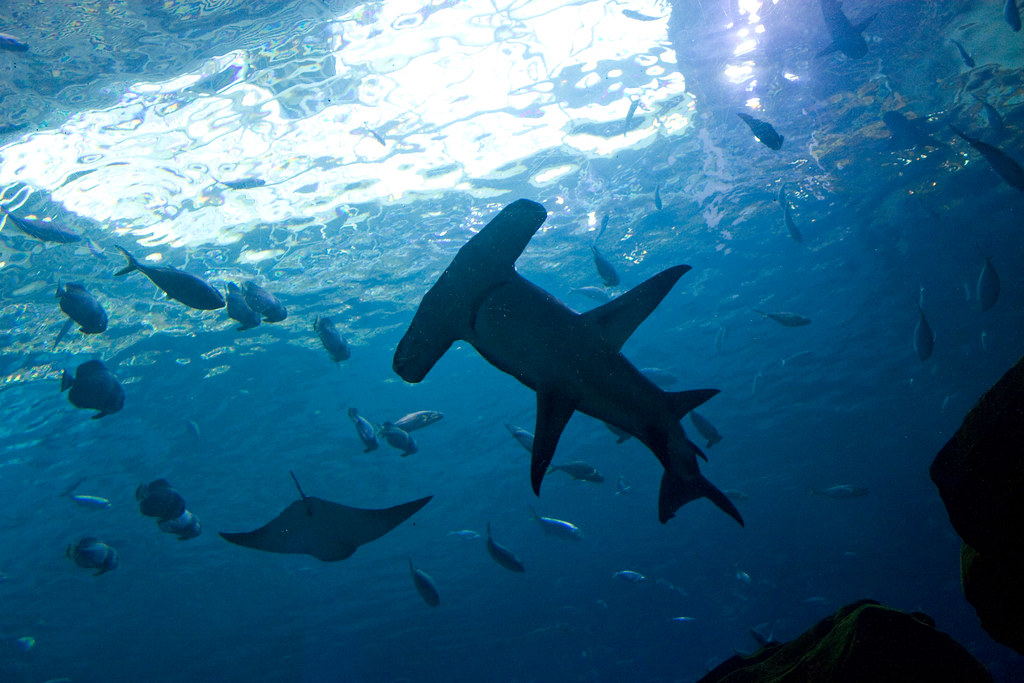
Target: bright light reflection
<point x="739" y="73"/>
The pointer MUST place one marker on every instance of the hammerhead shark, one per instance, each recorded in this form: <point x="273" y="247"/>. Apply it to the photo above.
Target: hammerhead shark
<point x="571" y="360"/>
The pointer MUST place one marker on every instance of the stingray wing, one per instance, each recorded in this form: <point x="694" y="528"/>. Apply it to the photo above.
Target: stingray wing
<point x="327" y="531"/>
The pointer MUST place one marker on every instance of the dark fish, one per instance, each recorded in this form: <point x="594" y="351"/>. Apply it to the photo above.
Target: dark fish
<point x="780" y="197"/>
<point x="988" y="286"/>
<point x="924" y="338"/>
<point x="763" y="131"/>
<point x="190" y="290"/>
<point x="842" y="491"/>
<point x="424" y="585"/>
<point x="846" y="37"/>
<point x="580" y="471"/>
<point x="157" y="499"/>
<point x="992" y="117"/>
<point x="657" y="197"/>
<point x="706" y="429"/>
<point x="417" y="420"/>
<point x="1001" y="162"/>
<point x="263" y="302"/>
<point x="331" y="339"/>
<point x="786" y="319"/>
<point x="12" y="44"/>
<point x="244" y="183"/>
<point x="1012" y="14"/>
<point x="82" y="307"/>
<point x="639" y="17"/>
<point x="502" y="555"/>
<point x="906" y="133"/>
<point x="966" y="58"/>
<point x="604" y="226"/>
<point x="239" y="310"/>
<point x="365" y="429"/>
<point x="185" y="526"/>
<point x="93" y="388"/>
<point x="794" y="231"/>
<point x="44" y="231"/>
<point x="398" y="438"/>
<point x="633" y="104"/>
<point x="91" y="553"/>
<point x="604" y="268"/>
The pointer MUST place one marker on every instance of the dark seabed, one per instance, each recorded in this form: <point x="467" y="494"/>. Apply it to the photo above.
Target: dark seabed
<point x="339" y="155"/>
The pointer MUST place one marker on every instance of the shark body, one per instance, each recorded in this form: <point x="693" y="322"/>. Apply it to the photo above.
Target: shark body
<point x="572" y="361"/>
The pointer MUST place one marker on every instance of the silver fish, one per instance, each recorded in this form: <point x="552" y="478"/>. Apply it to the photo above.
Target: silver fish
<point x="398" y="438"/>
<point x="424" y="585"/>
<point x="557" y="527"/>
<point x="417" y="420"/>
<point x="365" y="429"/>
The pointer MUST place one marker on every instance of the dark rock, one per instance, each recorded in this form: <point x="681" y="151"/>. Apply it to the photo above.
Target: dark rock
<point x="996" y="591"/>
<point x="863" y="641"/>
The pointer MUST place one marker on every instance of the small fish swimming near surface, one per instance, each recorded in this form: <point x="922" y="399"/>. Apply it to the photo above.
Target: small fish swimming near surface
<point x="239" y="310"/>
<point x="639" y="17"/>
<point x="763" y="131"/>
<point x="786" y="319"/>
<point x="556" y="527"/>
<point x="93" y="387"/>
<point x="580" y="471"/>
<point x="924" y="338"/>
<point x="424" y="585"/>
<point x="633" y="104"/>
<point x="604" y="268"/>
<point x="178" y="285"/>
<point x="366" y="431"/>
<point x="1001" y="162"/>
<point x="398" y="438"/>
<point x="964" y="57"/>
<point x="841" y="491"/>
<point x="91" y="502"/>
<point x="988" y="286"/>
<point x="524" y="437"/>
<point x="11" y="44"/>
<point x="1012" y="14"/>
<point x="846" y="37"/>
<point x="595" y="293"/>
<point x="467" y="534"/>
<point x="417" y="420"/>
<point x="82" y="308"/>
<point x="657" y="197"/>
<point x="706" y="429"/>
<point x="631" y="576"/>
<point x="502" y="555"/>
<point x="91" y="553"/>
<point x="263" y="302"/>
<point x="331" y="339"/>
<point x="247" y="183"/>
<point x="44" y="231"/>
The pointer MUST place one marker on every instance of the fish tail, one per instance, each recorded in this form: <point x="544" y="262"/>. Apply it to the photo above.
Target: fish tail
<point x="66" y="380"/>
<point x="677" y="491"/>
<point x="132" y="263"/>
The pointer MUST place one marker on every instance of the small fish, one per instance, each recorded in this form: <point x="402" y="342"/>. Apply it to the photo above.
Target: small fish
<point x="1012" y="15"/>
<point x="846" y="36"/>
<point x="331" y="339"/>
<point x="604" y="226"/>
<point x="92" y="502"/>
<point x="192" y="428"/>
<point x="157" y="499"/>
<point x="398" y="438"/>
<point x="841" y="491"/>
<point x="984" y="341"/>
<point x="25" y="643"/>
<point x="763" y="131"/>
<point x="964" y="57"/>
<point x="945" y="401"/>
<point x="663" y="378"/>
<point x="44" y="231"/>
<point x="376" y="136"/>
<point x="657" y="197"/>
<point x="706" y="429"/>
<point x="794" y="231"/>
<point x="580" y="471"/>
<point x="639" y="17"/>
<point x="633" y="104"/>
<point x="524" y="437"/>
<point x="424" y="585"/>
<point x="988" y="286"/>
<point x="91" y="553"/>
<point x="595" y="293"/>
<point x="621" y="487"/>
<point x="604" y="268"/>
<point x="366" y="431"/>
<point x="1002" y="163"/>
<point x="631" y="576"/>
<point x="743" y="577"/>
<point x="247" y="183"/>
<point x="682" y="619"/>
<point x="468" y="534"/>
<point x="178" y="285"/>
<point x="93" y="387"/>
<point x="185" y="526"/>
<point x="763" y="634"/>
<point x="502" y="555"/>
<point x="263" y="302"/>
<point x="736" y="494"/>
<point x="82" y="307"/>
<point x="418" y="420"/>
<point x="924" y="338"/>
<point x="556" y="527"/>
<point x="786" y="319"/>
<point x="12" y="44"/>
<point x="239" y="310"/>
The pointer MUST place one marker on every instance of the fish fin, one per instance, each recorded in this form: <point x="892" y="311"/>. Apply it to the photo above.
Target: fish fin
<point x="676" y="492"/>
<point x="697" y="450"/>
<point x="66" y="381"/>
<point x="132" y="263"/>
<point x="859" y="28"/>
<point x="828" y="50"/>
<point x="618" y="318"/>
<point x="682" y="402"/>
<point x="63" y="331"/>
<point x="553" y="412"/>
<point x="100" y="414"/>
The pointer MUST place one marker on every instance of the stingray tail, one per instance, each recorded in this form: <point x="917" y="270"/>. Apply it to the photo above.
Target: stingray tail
<point x="677" y="491"/>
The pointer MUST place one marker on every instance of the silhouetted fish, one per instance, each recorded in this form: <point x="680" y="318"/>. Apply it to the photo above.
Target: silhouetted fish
<point x="794" y="231"/>
<point x="846" y="37"/>
<point x="1001" y="162"/>
<point x="580" y="471"/>
<point x="82" y="307"/>
<point x="418" y="420"/>
<point x="604" y="268"/>
<point x="1012" y="14"/>
<point x="988" y="286"/>
<point x="502" y="555"/>
<point x="93" y="388"/>
<point x="657" y="197"/>
<point x="964" y="57"/>
<point x="706" y="429"/>
<point x="786" y="319"/>
<point x="424" y="585"/>
<point x="763" y="131"/>
<point x="189" y="289"/>
<point x="44" y="231"/>
<point x="244" y="183"/>
<point x="91" y="553"/>
<point x="992" y="117"/>
<point x="366" y="431"/>
<point x="331" y="339"/>
<point x="841" y="491"/>
<point x="398" y="438"/>
<point x="263" y="302"/>
<point x="239" y="310"/>
<point x="633" y="104"/>
<point x="639" y="17"/>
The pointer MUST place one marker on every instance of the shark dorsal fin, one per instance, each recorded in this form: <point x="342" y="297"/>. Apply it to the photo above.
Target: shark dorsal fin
<point x="554" y="408"/>
<point x="618" y="318"/>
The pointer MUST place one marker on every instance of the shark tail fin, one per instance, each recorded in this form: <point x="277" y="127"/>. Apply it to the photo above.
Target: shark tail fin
<point x="132" y="263"/>
<point x="677" y="492"/>
<point x="682" y="402"/>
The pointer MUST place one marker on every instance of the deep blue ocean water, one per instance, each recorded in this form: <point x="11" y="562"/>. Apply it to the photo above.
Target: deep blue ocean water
<point x="121" y="118"/>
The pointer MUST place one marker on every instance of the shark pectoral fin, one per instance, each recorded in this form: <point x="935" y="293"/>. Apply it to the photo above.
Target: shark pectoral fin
<point x="676" y="492"/>
<point x="697" y="450"/>
<point x="682" y="402"/>
<point x="618" y="318"/>
<point x="553" y="412"/>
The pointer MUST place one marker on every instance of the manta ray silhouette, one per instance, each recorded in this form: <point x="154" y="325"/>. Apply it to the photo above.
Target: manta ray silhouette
<point x="571" y="360"/>
<point x="327" y="531"/>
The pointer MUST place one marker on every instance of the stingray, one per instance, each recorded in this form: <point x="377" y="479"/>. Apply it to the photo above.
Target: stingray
<point x="327" y="531"/>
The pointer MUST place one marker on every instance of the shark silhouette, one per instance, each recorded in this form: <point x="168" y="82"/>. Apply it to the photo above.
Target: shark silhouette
<point x="571" y="360"/>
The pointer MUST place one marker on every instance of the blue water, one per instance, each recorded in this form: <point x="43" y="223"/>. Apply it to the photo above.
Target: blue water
<point x="121" y="119"/>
